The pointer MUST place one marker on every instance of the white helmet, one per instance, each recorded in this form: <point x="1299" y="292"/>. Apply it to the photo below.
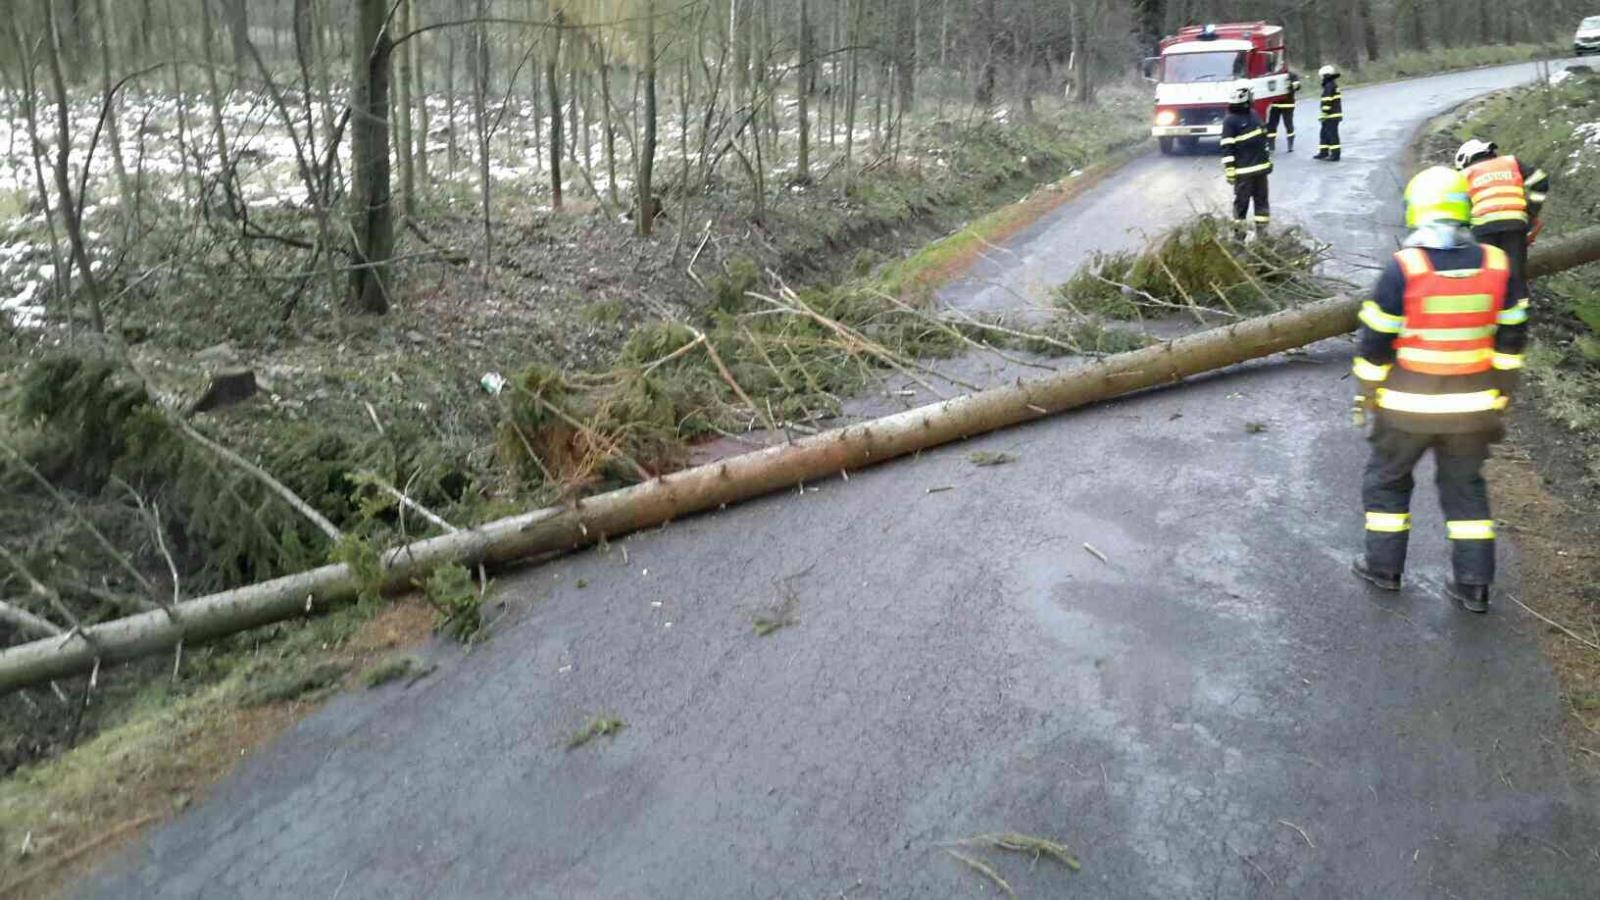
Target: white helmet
<point x="1474" y="150"/>
<point x="1328" y="71"/>
<point x="1239" y="96"/>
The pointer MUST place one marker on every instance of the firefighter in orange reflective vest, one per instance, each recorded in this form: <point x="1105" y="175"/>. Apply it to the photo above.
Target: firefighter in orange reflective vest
<point x="1441" y="349"/>
<point x="1507" y="195"/>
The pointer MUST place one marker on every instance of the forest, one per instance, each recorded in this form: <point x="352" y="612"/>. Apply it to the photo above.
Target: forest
<point x="288" y="282"/>
<point x="286" y="285"/>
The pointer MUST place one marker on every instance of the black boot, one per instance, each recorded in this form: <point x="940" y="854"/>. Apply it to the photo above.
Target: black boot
<point x="1323" y="154"/>
<point x="1333" y="157"/>
<point x="1473" y="598"/>
<point x="1291" y="145"/>
<point x="1387" y="581"/>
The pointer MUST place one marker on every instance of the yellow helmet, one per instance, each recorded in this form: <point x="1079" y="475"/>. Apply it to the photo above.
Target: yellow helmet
<point x="1438" y="194"/>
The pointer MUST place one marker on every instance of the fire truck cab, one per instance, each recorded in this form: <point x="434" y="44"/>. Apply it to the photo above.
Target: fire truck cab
<point x="1200" y="65"/>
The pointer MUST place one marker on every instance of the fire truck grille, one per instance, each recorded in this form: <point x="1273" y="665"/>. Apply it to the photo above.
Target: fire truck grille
<point x="1199" y="116"/>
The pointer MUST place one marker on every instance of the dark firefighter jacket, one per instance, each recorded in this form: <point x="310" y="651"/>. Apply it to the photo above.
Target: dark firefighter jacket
<point x="1332" y="100"/>
<point x="1244" y="144"/>
<point x="1287" y="100"/>
<point x="1383" y="322"/>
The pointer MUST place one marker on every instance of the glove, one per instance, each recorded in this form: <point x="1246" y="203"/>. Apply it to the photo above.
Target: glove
<point x="1232" y="179"/>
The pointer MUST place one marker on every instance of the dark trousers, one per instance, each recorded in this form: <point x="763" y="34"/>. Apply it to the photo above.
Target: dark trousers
<point x="1330" y="138"/>
<point x="1515" y="243"/>
<point x="1251" y="190"/>
<point x="1386" y="494"/>
<point x="1284" y="114"/>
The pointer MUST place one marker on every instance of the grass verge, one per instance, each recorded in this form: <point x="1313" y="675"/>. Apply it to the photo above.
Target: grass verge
<point x="1413" y="64"/>
<point x="1547" y="481"/>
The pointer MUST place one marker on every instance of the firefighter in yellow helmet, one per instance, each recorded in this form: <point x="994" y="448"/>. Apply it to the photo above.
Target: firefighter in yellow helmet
<point x="1441" y="345"/>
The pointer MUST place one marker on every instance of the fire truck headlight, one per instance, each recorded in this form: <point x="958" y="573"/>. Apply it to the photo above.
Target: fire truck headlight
<point x="1166" y="117"/>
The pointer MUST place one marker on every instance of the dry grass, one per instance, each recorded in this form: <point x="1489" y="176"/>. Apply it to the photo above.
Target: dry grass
<point x="1560" y="574"/>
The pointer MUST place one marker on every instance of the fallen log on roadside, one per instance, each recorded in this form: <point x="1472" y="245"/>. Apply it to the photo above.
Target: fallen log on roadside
<point x="718" y="483"/>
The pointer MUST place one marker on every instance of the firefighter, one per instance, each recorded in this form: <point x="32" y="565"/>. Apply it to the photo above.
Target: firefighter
<point x="1507" y="195"/>
<point x="1331" y="114"/>
<point x="1282" y="110"/>
<point x="1440" y="350"/>
<point x="1246" y="159"/>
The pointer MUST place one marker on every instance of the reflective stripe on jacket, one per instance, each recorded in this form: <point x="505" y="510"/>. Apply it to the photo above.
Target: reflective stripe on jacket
<point x="1245" y="150"/>
<point x="1332" y="100"/>
<point x="1445" y="357"/>
<point x="1497" y="190"/>
<point x="1287" y="100"/>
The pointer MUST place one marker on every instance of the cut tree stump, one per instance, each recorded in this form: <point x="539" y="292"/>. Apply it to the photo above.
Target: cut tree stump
<point x="720" y="483"/>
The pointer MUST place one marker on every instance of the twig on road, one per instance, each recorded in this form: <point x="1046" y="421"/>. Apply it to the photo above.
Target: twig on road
<point x="1302" y="831"/>
<point x="1554" y="624"/>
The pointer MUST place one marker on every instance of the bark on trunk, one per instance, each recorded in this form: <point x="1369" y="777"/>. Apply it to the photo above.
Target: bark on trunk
<point x="369" y="156"/>
<point x="647" y="142"/>
<point x="719" y="483"/>
<point x="69" y="204"/>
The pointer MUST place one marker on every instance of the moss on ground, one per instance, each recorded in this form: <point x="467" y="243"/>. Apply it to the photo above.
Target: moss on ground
<point x="1556" y="127"/>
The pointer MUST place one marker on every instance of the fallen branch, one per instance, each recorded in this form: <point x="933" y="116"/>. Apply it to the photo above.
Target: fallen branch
<point x="667" y="497"/>
<point x="273" y="484"/>
<point x="26" y="622"/>
<point x="1557" y="625"/>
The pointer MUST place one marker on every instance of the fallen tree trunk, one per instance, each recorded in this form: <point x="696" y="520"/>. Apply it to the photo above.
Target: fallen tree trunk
<point x="719" y="483"/>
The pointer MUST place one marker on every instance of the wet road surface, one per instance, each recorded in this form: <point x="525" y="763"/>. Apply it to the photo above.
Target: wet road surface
<point x="1353" y="205"/>
<point x="1215" y="708"/>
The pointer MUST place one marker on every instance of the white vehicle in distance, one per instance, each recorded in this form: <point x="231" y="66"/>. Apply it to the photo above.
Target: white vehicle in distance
<point x="1587" y="40"/>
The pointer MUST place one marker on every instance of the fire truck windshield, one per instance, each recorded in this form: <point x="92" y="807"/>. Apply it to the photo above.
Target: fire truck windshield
<point x="1183" y="68"/>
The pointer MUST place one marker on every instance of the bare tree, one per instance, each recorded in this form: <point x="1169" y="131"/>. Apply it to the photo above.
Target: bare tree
<point x="372" y="213"/>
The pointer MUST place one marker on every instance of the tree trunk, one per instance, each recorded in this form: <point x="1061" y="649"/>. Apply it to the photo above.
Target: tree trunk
<point x="219" y="129"/>
<point x="984" y="46"/>
<point x="373" y="211"/>
<point x="1369" y="30"/>
<point x="238" y="13"/>
<point x="608" y="124"/>
<point x="36" y="151"/>
<point x="108" y="42"/>
<point x="68" y="204"/>
<point x="404" y="149"/>
<point x="647" y="144"/>
<point x="803" y="95"/>
<point x="552" y="83"/>
<point x="480" y="117"/>
<point x="419" y="97"/>
<point x="716" y="484"/>
<point x="852" y="89"/>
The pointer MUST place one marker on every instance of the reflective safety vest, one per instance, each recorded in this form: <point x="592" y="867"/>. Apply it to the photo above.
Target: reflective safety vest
<point x="1498" y="194"/>
<point x="1450" y="316"/>
<point x="1444" y="353"/>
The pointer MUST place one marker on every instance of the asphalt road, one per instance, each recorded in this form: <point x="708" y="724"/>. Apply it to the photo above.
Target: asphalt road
<point x="1214" y="708"/>
<point x="1353" y="205"/>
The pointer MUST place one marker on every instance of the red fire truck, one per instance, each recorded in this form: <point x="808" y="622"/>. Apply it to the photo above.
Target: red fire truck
<point x="1200" y="65"/>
